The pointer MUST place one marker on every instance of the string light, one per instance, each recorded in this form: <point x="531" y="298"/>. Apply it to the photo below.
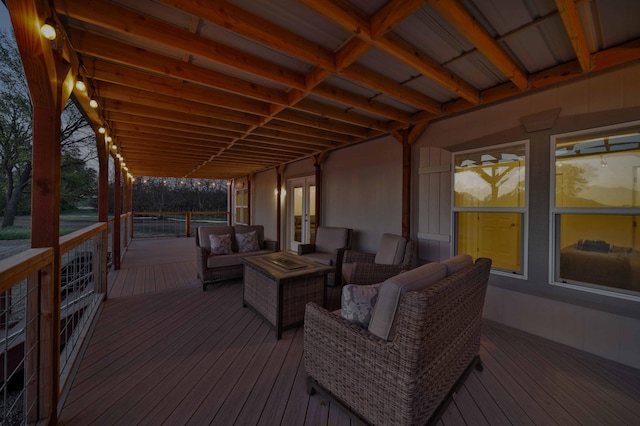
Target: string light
<point x="93" y="103"/>
<point x="80" y="84"/>
<point x="102" y="130"/>
<point x="48" y="31"/>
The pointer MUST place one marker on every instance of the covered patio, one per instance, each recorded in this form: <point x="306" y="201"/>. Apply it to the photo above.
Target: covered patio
<point x="165" y="351"/>
<point x="357" y="114"/>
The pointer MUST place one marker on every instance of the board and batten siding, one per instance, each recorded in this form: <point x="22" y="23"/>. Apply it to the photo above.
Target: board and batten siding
<point x="434" y="204"/>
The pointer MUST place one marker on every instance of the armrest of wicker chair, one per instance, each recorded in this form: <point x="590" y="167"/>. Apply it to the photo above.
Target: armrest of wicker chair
<point x="352" y="256"/>
<point x="271" y="245"/>
<point x="372" y="273"/>
<point x="306" y="249"/>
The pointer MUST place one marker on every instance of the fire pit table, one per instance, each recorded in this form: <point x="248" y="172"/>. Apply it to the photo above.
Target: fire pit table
<point x="279" y="285"/>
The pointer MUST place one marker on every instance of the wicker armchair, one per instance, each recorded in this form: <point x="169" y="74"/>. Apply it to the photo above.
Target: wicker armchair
<point x="409" y="378"/>
<point x="328" y="249"/>
<point x="395" y="254"/>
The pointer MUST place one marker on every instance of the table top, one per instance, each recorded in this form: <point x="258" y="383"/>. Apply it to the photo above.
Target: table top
<point x="283" y="265"/>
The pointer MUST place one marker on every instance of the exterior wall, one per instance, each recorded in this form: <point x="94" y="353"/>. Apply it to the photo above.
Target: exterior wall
<point x="363" y="191"/>
<point x="603" y="325"/>
<point x="263" y="203"/>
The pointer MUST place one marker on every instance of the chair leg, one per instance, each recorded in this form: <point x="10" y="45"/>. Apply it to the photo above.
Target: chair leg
<point x="310" y="388"/>
<point x="479" y="365"/>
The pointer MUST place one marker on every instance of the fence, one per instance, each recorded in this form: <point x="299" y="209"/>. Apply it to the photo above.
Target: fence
<point x="173" y="224"/>
<point x="29" y="314"/>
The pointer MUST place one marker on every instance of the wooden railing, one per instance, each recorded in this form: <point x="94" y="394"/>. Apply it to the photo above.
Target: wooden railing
<point x="174" y="224"/>
<point x="44" y="318"/>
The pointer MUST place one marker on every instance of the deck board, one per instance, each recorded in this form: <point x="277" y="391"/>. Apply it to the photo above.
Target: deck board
<point x="168" y="352"/>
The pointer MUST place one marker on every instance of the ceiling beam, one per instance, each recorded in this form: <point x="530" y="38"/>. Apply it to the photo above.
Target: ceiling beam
<point x="571" y="21"/>
<point x="458" y="16"/>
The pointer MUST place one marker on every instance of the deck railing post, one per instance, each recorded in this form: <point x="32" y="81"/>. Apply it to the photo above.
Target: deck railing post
<point x="188" y="224"/>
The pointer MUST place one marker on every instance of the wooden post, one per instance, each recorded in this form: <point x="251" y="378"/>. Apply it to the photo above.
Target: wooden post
<point x="248" y="218"/>
<point x="116" y="214"/>
<point x="45" y="231"/>
<point x="279" y="171"/>
<point x="317" y="164"/>
<point x="188" y="224"/>
<point x="406" y="185"/>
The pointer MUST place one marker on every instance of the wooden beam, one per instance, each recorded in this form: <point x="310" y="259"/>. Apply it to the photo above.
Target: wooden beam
<point x="161" y="125"/>
<point x="141" y="59"/>
<point x="458" y="16"/>
<point x="391" y="14"/>
<point x="257" y="28"/>
<point x="125" y="21"/>
<point x="343" y="14"/>
<point x="349" y="99"/>
<point x="178" y="117"/>
<point x="155" y="100"/>
<point x="571" y="21"/>
<point x="389" y="87"/>
<point x="415" y="58"/>
<point x="103" y="71"/>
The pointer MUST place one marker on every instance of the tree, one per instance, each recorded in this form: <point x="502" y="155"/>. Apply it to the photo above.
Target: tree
<point x="77" y="139"/>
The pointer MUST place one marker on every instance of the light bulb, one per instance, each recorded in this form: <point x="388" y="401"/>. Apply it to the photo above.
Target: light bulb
<point x="93" y="103"/>
<point x="48" y="32"/>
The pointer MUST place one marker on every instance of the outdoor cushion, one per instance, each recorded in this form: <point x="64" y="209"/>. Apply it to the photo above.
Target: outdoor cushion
<point x="247" y="242"/>
<point x="457" y="263"/>
<point x="220" y="244"/>
<point x="205" y="231"/>
<point x="328" y="239"/>
<point x="358" y="302"/>
<point x="391" y="250"/>
<point x="244" y="229"/>
<point x="391" y="290"/>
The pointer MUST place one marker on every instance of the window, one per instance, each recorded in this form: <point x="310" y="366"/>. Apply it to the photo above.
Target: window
<point x="490" y="205"/>
<point x="595" y="210"/>
<point x="242" y="206"/>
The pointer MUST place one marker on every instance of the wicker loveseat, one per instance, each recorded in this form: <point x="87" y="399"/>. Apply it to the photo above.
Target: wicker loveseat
<point x="218" y="267"/>
<point x="430" y="344"/>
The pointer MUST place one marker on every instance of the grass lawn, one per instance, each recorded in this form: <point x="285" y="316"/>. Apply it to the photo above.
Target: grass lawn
<point x="69" y="222"/>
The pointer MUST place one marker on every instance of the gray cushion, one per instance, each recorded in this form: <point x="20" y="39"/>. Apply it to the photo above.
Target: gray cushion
<point x="416" y="279"/>
<point x="328" y="239"/>
<point x="205" y="231"/>
<point x="243" y="229"/>
<point x="220" y="244"/>
<point x="358" y="302"/>
<point x="391" y="250"/>
<point x="457" y="263"/>
<point x="247" y="242"/>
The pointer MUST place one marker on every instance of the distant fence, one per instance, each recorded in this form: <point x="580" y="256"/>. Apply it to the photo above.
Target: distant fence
<point x="174" y="224"/>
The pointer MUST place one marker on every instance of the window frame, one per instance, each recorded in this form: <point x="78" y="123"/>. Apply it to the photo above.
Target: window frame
<point x="241" y="201"/>
<point x="555" y="214"/>
<point x="523" y="211"/>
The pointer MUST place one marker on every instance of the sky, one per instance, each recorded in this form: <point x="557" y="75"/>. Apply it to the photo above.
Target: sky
<point x="5" y="21"/>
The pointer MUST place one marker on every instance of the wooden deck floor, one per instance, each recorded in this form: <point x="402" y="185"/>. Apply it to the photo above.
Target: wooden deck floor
<point x="173" y="354"/>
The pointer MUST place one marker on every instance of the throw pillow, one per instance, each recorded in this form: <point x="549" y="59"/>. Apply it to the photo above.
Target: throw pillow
<point x="220" y="244"/>
<point x="358" y="302"/>
<point x="247" y="242"/>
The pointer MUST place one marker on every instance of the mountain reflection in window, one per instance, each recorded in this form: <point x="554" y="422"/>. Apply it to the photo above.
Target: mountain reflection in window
<point x="598" y="172"/>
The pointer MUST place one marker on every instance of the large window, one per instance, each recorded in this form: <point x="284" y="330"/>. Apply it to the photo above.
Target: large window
<point x="595" y="210"/>
<point x="490" y="205"/>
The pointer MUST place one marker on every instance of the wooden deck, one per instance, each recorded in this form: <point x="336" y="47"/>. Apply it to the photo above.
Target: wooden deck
<point x="165" y="352"/>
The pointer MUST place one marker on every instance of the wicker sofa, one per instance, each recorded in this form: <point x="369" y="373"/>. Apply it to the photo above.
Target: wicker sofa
<point x="405" y="372"/>
<point x="218" y="267"/>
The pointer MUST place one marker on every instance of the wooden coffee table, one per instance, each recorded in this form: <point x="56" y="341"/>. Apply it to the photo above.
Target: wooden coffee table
<point x="279" y="285"/>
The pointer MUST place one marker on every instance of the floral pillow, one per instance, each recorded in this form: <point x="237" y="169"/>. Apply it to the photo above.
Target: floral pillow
<point x="358" y="302"/>
<point x="220" y="244"/>
<point x="247" y="242"/>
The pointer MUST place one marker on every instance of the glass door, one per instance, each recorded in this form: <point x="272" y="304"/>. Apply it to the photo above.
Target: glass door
<point x="302" y="211"/>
